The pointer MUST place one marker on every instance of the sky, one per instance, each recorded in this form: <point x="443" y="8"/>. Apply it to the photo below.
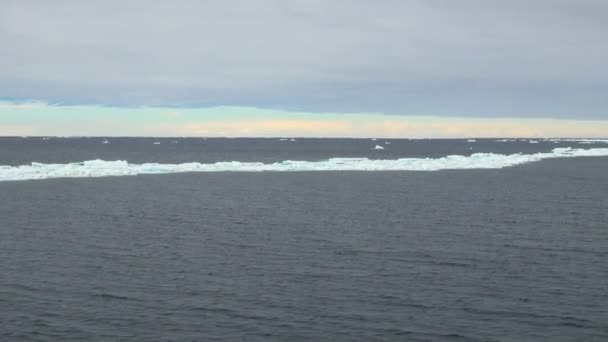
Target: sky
<point x="385" y="68"/>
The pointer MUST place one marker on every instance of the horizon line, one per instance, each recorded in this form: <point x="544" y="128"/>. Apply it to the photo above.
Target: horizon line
<point x="300" y="137"/>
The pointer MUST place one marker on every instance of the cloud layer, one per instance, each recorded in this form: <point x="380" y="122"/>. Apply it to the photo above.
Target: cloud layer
<point x="540" y="58"/>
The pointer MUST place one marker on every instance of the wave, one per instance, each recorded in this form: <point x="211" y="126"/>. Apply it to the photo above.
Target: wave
<point x="101" y="168"/>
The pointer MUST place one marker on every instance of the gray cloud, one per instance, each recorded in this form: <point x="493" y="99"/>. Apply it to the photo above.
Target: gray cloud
<point x="470" y="57"/>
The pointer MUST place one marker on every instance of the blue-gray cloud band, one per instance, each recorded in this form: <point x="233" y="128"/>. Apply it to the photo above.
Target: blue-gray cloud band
<point x="483" y="58"/>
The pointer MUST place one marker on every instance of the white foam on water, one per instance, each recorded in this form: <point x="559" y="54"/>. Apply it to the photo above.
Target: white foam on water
<point x="471" y="140"/>
<point x="101" y="168"/>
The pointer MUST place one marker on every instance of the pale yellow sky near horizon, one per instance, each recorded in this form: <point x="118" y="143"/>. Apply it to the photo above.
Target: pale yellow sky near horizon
<point x="18" y="119"/>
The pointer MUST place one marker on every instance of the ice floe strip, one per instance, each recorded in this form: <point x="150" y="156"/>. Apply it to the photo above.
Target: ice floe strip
<point x="558" y="140"/>
<point x="101" y="168"/>
<point x="580" y="141"/>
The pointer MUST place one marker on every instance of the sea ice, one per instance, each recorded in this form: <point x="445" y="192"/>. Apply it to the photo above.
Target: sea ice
<point x="101" y="168"/>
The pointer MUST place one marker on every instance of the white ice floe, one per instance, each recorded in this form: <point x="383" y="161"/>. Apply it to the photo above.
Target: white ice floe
<point x="105" y="142"/>
<point x="101" y="168"/>
<point x="580" y="141"/>
<point x="533" y="141"/>
<point x="471" y="140"/>
<point x="157" y="143"/>
<point x="378" y="147"/>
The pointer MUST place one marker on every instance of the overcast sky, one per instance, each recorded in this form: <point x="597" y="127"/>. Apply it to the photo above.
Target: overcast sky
<point x="466" y="58"/>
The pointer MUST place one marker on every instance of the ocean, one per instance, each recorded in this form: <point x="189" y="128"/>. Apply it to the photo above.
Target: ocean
<point x="191" y="239"/>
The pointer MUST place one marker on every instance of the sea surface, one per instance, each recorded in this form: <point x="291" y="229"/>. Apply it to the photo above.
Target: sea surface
<point x="517" y="253"/>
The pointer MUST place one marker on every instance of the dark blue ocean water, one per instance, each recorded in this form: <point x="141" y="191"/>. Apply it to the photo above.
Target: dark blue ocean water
<point x="513" y="254"/>
<point x="20" y="151"/>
